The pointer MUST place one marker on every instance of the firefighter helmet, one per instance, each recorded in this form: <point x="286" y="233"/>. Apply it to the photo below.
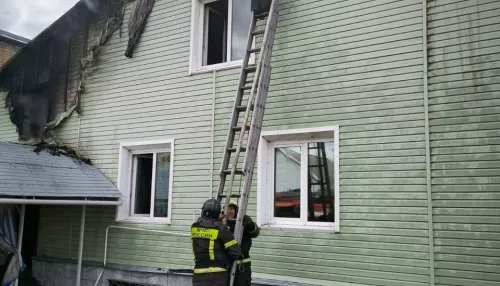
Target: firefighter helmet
<point x="211" y="209"/>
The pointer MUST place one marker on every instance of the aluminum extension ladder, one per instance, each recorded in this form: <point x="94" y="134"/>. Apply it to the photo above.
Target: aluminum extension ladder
<point x="247" y="116"/>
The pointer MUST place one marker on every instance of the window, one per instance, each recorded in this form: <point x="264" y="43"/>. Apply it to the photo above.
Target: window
<point x="145" y="180"/>
<point x="219" y="33"/>
<point x="298" y="179"/>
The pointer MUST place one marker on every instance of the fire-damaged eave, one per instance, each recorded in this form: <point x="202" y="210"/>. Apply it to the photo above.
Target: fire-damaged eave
<point x="39" y="75"/>
<point x="39" y="38"/>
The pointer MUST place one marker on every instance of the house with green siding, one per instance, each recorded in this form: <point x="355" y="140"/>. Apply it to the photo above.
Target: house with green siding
<point x="405" y="95"/>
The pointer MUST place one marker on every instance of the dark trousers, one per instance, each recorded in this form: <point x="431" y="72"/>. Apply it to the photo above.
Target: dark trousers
<point x="243" y="275"/>
<point x="211" y="279"/>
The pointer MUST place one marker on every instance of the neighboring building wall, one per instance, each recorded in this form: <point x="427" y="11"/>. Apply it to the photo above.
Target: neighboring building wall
<point x="464" y="98"/>
<point x="7" y="50"/>
<point x="357" y="64"/>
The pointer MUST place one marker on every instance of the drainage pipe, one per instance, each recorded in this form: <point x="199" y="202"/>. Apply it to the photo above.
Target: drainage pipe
<point x="210" y="195"/>
<point x="427" y="145"/>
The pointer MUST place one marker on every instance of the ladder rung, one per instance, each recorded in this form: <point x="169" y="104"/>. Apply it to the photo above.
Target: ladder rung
<point x="256" y="50"/>
<point x="262" y="15"/>
<point x="237" y="172"/>
<point x="260" y="32"/>
<point x="251" y="68"/>
<point x="232" y="150"/>
<point x="233" y="196"/>
<point x="246" y="88"/>
<point x="243" y="108"/>
<point x="238" y="128"/>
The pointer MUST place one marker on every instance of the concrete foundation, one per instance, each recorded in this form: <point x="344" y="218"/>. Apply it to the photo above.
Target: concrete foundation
<point x="60" y="272"/>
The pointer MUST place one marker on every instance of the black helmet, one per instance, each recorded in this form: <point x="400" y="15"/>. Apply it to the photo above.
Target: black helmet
<point x="211" y="209"/>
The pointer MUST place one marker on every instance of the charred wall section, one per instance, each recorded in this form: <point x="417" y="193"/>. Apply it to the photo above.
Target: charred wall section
<point x="38" y="85"/>
<point x="45" y="79"/>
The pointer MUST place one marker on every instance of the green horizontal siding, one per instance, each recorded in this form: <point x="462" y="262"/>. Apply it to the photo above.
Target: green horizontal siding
<point x="356" y="64"/>
<point x="343" y="63"/>
<point x="464" y="98"/>
<point x="147" y="97"/>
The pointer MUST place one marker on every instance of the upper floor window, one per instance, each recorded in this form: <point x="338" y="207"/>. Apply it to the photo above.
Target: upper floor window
<point x="299" y="179"/>
<point x="219" y="33"/>
<point x="145" y="180"/>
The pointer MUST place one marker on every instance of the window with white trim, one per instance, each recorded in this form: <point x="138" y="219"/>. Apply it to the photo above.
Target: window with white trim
<point x="299" y="179"/>
<point x="145" y="180"/>
<point x="219" y="33"/>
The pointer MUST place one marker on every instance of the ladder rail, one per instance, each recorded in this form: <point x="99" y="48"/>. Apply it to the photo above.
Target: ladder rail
<point x="327" y="178"/>
<point x="256" y="124"/>
<point x="252" y="95"/>
<point x="234" y="117"/>
<point x="322" y="172"/>
<point x="258" y="112"/>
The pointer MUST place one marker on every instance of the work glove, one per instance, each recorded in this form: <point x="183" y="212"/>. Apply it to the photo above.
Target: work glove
<point x="250" y="227"/>
<point x="247" y="222"/>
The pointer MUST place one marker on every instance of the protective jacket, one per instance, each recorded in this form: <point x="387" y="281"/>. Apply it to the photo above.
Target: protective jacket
<point x="250" y="230"/>
<point x="244" y="267"/>
<point x="214" y="247"/>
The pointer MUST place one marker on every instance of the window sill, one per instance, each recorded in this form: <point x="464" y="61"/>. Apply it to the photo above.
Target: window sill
<point x="217" y="67"/>
<point x="146" y="220"/>
<point x="309" y="228"/>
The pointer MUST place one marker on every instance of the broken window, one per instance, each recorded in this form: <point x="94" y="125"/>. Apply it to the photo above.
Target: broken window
<point x="151" y="184"/>
<point x="220" y="31"/>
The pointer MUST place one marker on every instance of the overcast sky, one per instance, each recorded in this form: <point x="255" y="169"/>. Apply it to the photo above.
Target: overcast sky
<point x="27" y="18"/>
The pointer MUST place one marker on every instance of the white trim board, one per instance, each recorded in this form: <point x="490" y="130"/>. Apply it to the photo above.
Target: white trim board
<point x="265" y="179"/>
<point x="125" y="177"/>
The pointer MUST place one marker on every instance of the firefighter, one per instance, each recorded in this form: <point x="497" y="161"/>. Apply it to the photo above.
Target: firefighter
<point x="250" y="230"/>
<point x="214" y="247"/>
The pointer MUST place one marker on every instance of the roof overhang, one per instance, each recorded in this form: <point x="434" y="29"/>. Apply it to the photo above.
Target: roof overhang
<point x="47" y="177"/>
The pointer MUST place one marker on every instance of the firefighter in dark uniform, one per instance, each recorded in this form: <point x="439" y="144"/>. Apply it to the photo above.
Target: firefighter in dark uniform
<point x="250" y="230"/>
<point x="214" y="247"/>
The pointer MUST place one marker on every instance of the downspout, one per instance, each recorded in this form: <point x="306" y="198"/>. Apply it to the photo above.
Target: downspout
<point x="427" y="145"/>
<point x="78" y="134"/>
<point x="210" y="195"/>
<point x="79" y="100"/>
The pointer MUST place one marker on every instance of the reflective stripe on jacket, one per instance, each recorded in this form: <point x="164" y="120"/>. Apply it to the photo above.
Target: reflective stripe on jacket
<point x="214" y="246"/>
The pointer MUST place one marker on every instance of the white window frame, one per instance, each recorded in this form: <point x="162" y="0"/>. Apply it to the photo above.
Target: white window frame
<point x="126" y="179"/>
<point x="197" y="40"/>
<point x="265" y="177"/>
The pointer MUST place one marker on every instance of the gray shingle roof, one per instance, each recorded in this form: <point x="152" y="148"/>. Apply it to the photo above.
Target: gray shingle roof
<point x="26" y="173"/>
